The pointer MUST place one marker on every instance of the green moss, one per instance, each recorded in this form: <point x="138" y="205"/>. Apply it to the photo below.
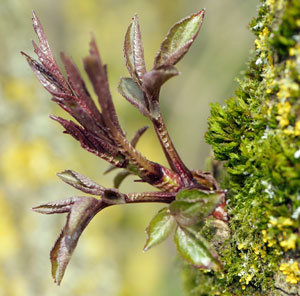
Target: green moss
<point x="257" y="135"/>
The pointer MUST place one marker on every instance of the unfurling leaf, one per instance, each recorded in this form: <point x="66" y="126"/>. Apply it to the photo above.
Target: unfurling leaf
<point x="195" y="249"/>
<point x="133" y="94"/>
<point x="81" y="182"/>
<point x="159" y="228"/>
<point x="47" y="79"/>
<point x="138" y="135"/>
<point x="194" y="195"/>
<point x="120" y="177"/>
<point x="80" y="214"/>
<point x="45" y="54"/>
<point x="97" y="73"/>
<point x="178" y="40"/>
<point x="56" y="207"/>
<point x="134" y="51"/>
<point x="113" y="197"/>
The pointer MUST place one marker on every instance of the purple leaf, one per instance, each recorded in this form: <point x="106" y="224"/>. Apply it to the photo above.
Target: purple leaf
<point x="178" y="40"/>
<point x="80" y="89"/>
<point x="134" y="51"/>
<point x="92" y="143"/>
<point x="98" y="76"/>
<point x="47" y="79"/>
<point x="80" y="214"/>
<point x="45" y="54"/>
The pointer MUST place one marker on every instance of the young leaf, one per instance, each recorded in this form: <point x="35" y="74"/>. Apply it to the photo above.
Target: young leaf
<point x="187" y="213"/>
<point x="80" y="214"/>
<point x="138" y="135"/>
<point x="120" y="177"/>
<point x="81" y="182"/>
<point x="56" y="207"/>
<point x="45" y="54"/>
<point x="97" y="73"/>
<point x="195" y="249"/>
<point x="78" y="85"/>
<point x="192" y="205"/>
<point x="47" y="79"/>
<point x="133" y="94"/>
<point x="193" y="195"/>
<point x="179" y="39"/>
<point x="159" y="228"/>
<point x="134" y="51"/>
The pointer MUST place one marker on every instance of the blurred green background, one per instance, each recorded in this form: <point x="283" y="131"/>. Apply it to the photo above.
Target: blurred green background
<point x="108" y="260"/>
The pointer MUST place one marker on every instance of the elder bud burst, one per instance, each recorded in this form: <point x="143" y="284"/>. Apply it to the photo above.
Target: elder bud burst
<point x="191" y="196"/>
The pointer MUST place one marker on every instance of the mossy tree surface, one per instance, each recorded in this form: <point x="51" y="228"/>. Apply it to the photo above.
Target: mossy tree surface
<point x="257" y="136"/>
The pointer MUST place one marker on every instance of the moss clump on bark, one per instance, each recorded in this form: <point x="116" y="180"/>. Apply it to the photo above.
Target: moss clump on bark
<point x="257" y="136"/>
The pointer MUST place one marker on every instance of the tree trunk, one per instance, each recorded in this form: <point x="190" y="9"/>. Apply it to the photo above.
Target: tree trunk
<point x="257" y="137"/>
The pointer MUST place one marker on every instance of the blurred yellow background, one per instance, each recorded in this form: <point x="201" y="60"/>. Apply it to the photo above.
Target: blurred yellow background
<point x="108" y="260"/>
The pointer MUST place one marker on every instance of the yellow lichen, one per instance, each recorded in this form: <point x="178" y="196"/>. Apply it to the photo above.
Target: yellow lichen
<point x="241" y="246"/>
<point x="291" y="270"/>
<point x="287" y="88"/>
<point x="259" y="251"/>
<point x="256" y="250"/>
<point x="270" y="2"/>
<point x="257" y="44"/>
<point x="268" y="239"/>
<point x="281" y="222"/>
<point x="289" y="131"/>
<point x="295" y="51"/>
<point x="248" y="278"/>
<point x="265" y="236"/>
<point x="283" y="109"/>
<point x="297" y="128"/>
<point x="284" y="221"/>
<point x="289" y="243"/>
<point x="285" y="237"/>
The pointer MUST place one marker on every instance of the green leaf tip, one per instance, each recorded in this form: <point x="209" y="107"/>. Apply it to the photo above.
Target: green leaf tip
<point x="179" y="39"/>
<point x="195" y="249"/>
<point x="159" y="228"/>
